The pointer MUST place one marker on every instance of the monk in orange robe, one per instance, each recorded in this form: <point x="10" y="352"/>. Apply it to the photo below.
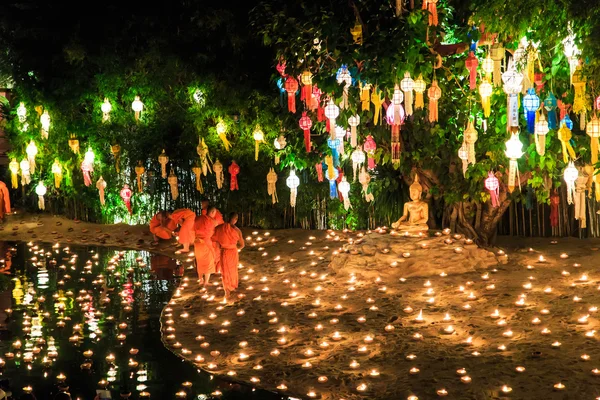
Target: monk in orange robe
<point x="185" y="218"/>
<point x="4" y="200"/>
<point x="218" y="217"/>
<point x="204" y="249"/>
<point x="230" y="240"/>
<point x="161" y="226"/>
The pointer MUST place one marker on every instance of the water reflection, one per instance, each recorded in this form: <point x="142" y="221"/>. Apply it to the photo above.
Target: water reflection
<point x="86" y="320"/>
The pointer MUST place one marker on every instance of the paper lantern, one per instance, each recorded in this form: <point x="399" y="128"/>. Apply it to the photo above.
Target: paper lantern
<point x="597" y="103"/>
<point x="222" y="133"/>
<point x="331" y="113"/>
<point x="259" y="137"/>
<point x="305" y="124"/>
<point x="139" y="172"/>
<point x="513" y="152"/>
<point x="25" y="172"/>
<point x="57" y="172"/>
<point x="365" y="178"/>
<point x="40" y="190"/>
<point x="74" y="144"/>
<point x="101" y="186"/>
<point x="353" y="121"/>
<point x="106" y="108"/>
<point x="116" y="152"/>
<point x="291" y="87"/>
<point x="279" y="144"/>
<point x="407" y="84"/>
<point x="463" y="154"/>
<point x="334" y="145"/>
<point x="344" y="188"/>
<point x="370" y="146"/>
<point x="22" y="112"/>
<point x="487" y="65"/>
<point x="485" y="91"/>
<point x="197" y="171"/>
<point x="45" y="123"/>
<point x="13" y="166"/>
<point x="564" y="135"/>
<point x="470" y="136"/>
<point x="307" y="90"/>
<point x="87" y="166"/>
<point x="593" y="131"/>
<point x="163" y="160"/>
<point x="293" y="182"/>
<point x="199" y="97"/>
<point x="419" y="87"/>
<point x="173" y="184"/>
<point x="137" y="106"/>
<point x="365" y="99"/>
<point x="356" y="32"/>
<point x="126" y="194"/>
<point x="272" y="185"/>
<point x="531" y="103"/>
<point x="570" y="175"/>
<point x="331" y="175"/>
<point x="431" y="7"/>
<point x="434" y="93"/>
<point x="572" y="52"/>
<point x="340" y="135"/>
<point x="541" y="130"/>
<point x="550" y="104"/>
<point x="579" y="101"/>
<point x="31" y="151"/>
<point x="319" y="168"/>
<point x="493" y="186"/>
<point x="512" y="87"/>
<point x="377" y="99"/>
<point x="234" y="170"/>
<point x="281" y="86"/>
<point x="471" y="63"/>
<point x="218" y="169"/>
<point x="202" y="150"/>
<point x="358" y="159"/>
<point x="343" y="77"/>
<point x="567" y="121"/>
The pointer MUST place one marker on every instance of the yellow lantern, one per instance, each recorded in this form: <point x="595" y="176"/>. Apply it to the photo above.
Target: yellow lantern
<point x="106" y="108"/>
<point x="541" y="130"/>
<point x="57" y="172"/>
<point x="163" y="159"/>
<point x="593" y="131"/>
<point x="74" y="144"/>
<point x="14" y="170"/>
<point x="31" y="151"/>
<point x="139" y="171"/>
<point x="222" y="132"/>
<point x="198" y="173"/>
<point x="419" y="90"/>
<point x="485" y="91"/>
<point x="579" y="101"/>
<point x="470" y="135"/>
<point x="45" y="122"/>
<point x="172" y="180"/>
<point x="137" y="106"/>
<point x="25" y="172"/>
<point x="259" y="136"/>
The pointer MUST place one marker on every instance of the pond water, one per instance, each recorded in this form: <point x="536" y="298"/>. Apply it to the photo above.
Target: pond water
<point x="80" y="314"/>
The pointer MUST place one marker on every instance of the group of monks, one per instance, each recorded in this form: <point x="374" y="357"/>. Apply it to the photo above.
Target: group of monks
<point x="216" y="242"/>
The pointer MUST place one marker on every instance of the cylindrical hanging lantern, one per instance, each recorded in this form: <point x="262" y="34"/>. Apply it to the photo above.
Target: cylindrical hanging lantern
<point x="493" y="186"/>
<point x="293" y="182"/>
<point x="291" y="87"/>
<point x="222" y="133"/>
<point x="353" y="121"/>
<point x="259" y="137"/>
<point x="470" y="136"/>
<point x="40" y="190"/>
<point x="45" y="123"/>
<point x="87" y="167"/>
<point x="570" y="175"/>
<point x="272" y="185"/>
<point x="513" y="152"/>
<point x="163" y="160"/>
<point x="101" y="186"/>
<point x="541" y="130"/>
<point x="137" y="106"/>
<point x="434" y="93"/>
<point x="305" y="124"/>
<point x="344" y="189"/>
<point x="173" y="184"/>
<point x="106" y="108"/>
<point x="370" y="146"/>
<point x="407" y="84"/>
<point x="531" y="103"/>
<point x="126" y="194"/>
<point x="593" y="131"/>
<point x="139" y="172"/>
<point x="358" y="159"/>
<point x="471" y="63"/>
<point x="419" y="87"/>
<point x="14" y="170"/>
<point x="25" y="172"/>
<point x="31" y="151"/>
<point x="234" y="170"/>
<point x="218" y="169"/>
<point x="57" y="172"/>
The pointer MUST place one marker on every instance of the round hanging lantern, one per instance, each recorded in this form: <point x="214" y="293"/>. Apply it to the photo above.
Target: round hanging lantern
<point x="487" y="65"/>
<point x="570" y="174"/>
<point x="513" y="152"/>
<point x="493" y="186"/>
<point x="137" y="106"/>
<point x="305" y="124"/>
<point x="45" y="122"/>
<point x="22" y="112"/>
<point x="280" y="143"/>
<point x="291" y="87"/>
<point x="419" y="87"/>
<point x="463" y="154"/>
<point x="531" y="103"/>
<point x="293" y="182"/>
<point x="259" y="136"/>
<point x="31" y="151"/>
<point x="106" y="108"/>
<point x="344" y="189"/>
<point x="40" y="190"/>
<point x="541" y="130"/>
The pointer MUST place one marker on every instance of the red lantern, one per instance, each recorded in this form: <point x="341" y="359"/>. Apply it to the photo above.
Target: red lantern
<point x="539" y="81"/>
<point x="431" y="6"/>
<point x="317" y="103"/>
<point x="126" y="196"/>
<point x="471" y="63"/>
<point x="305" y="124"/>
<point x="492" y="184"/>
<point x="564" y="108"/>
<point x="370" y="146"/>
<point x="281" y="68"/>
<point x="319" y="168"/>
<point x="234" y="170"/>
<point x="291" y="87"/>
<point x="338" y="180"/>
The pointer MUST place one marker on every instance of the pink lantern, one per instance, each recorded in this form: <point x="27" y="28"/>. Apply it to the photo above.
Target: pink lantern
<point x="87" y="167"/>
<point x="492" y="184"/>
<point x="317" y="103"/>
<point x="370" y="146"/>
<point x="281" y="68"/>
<point x="597" y="103"/>
<point x="234" y="170"/>
<point x="125" y="194"/>
<point x="291" y="86"/>
<point x="305" y="124"/>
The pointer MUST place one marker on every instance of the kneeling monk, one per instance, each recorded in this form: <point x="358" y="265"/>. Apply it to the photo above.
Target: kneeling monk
<point x="204" y="228"/>
<point x="185" y="219"/>
<point x="161" y="226"/>
<point x="231" y="240"/>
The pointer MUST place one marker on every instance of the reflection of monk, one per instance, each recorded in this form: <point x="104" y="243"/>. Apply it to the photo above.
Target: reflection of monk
<point x="416" y="212"/>
<point x="185" y="219"/>
<point x="4" y="200"/>
<point x="204" y="248"/>
<point x="161" y="226"/>
<point x="230" y="240"/>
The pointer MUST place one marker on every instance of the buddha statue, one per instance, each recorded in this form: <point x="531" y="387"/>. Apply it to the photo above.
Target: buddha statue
<point x="416" y="212"/>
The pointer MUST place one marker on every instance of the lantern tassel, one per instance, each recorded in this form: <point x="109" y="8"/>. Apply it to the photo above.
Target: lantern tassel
<point x="41" y="203"/>
<point x="433" y="110"/>
<point x="307" y="140"/>
<point x="13" y="180"/>
<point x="531" y="121"/>
<point x="319" y="168"/>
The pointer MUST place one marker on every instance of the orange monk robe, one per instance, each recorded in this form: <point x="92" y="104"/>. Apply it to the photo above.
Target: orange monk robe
<point x="204" y="228"/>
<point x="4" y="200"/>
<point x="218" y="217"/>
<point x="185" y="219"/>
<point x="229" y="238"/>
<point x="160" y="229"/>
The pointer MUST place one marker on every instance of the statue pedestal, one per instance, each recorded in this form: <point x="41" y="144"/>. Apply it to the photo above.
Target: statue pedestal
<point x="414" y="231"/>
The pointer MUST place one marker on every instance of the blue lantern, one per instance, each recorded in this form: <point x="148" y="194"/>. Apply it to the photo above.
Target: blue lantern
<point x="567" y="121"/>
<point x="531" y="103"/>
<point x="333" y="183"/>
<point x="550" y="105"/>
<point x="334" y="144"/>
